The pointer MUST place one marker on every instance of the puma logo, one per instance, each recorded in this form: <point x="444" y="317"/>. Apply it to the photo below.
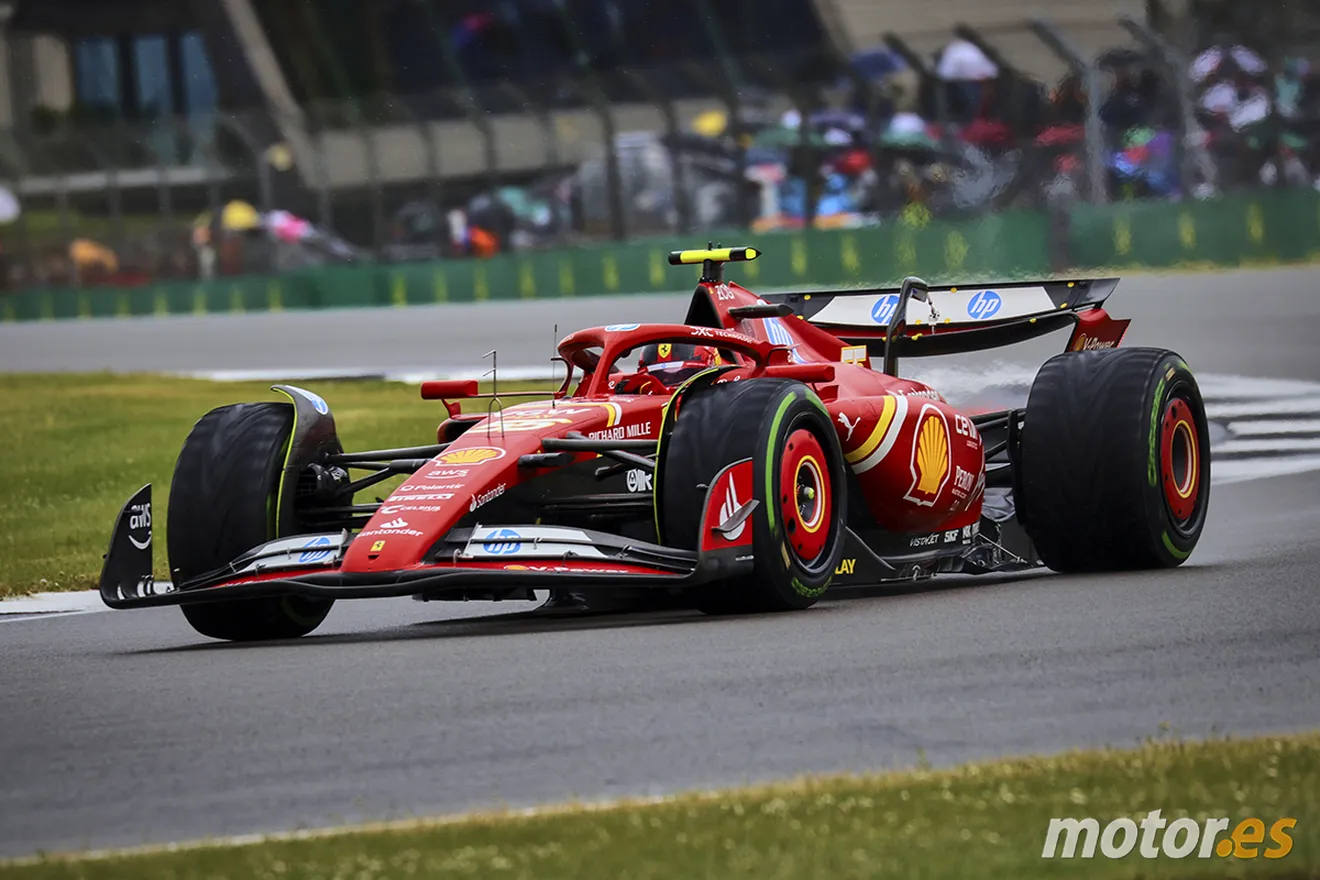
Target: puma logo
<point x="851" y="426"/>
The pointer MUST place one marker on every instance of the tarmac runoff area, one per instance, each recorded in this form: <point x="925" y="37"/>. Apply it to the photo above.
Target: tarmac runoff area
<point x="132" y="729"/>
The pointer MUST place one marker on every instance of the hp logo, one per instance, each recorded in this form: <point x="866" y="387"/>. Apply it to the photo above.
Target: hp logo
<point x="504" y="542"/>
<point x="312" y="554"/>
<point x="984" y="305"/>
<point x="884" y="308"/>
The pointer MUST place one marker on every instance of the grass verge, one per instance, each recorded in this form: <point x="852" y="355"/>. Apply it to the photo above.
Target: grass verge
<point x="76" y="446"/>
<point x="983" y="820"/>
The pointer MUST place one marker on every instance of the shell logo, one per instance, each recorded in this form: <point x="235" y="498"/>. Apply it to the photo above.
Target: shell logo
<point x="930" y="457"/>
<point x="472" y="455"/>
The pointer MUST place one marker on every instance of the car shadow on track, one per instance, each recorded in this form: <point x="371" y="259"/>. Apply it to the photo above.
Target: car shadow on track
<point x="543" y="620"/>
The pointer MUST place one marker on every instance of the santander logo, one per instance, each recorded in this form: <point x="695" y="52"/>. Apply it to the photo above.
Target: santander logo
<point x="729" y="508"/>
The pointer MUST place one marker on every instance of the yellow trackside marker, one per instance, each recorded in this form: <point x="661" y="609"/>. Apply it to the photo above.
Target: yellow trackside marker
<point x="125" y="309"/>
<point x="657" y="269"/>
<point x="440" y="286"/>
<point x="1122" y="235"/>
<point x="480" y="284"/>
<point x="1186" y="230"/>
<point x="235" y="299"/>
<point x="84" y="305"/>
<point x="199" y="301"/>
<point x="9" y="312"/>
<point x="565" y="277"/>
<point x="47" y="308"/>
<point x="753" y="269"/>
<point x="526" y="280"/>
<point x="851" y="262"/>
<point x="955" y="250"/>
<point x="609" y="271"/>
<point x="799" y="256"/>
<point x="1255" y="224"/>
<point x="162" y="304"/>
<point x="274" y="297"/>
<point x="905" y="250"/>
<point x="398" y="290"/>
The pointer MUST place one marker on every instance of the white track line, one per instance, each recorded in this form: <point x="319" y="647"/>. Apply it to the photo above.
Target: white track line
<point x="1226" y="387"/>
<point x="51" y="604"/>
<point x="1288" y="406"/>
<point x="1272" y="444"/>
<point x="1241" y="470"/>
<point x="1272" y="428"/>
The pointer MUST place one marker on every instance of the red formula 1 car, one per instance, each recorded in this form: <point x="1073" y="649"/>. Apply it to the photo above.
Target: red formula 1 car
<point x="748" y="459"/>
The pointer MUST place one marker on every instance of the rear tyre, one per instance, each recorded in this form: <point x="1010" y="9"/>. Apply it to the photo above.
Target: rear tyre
<point x="799" y="524"/>
<point x="1114" y="466"/>
<point x="223" y="503"/>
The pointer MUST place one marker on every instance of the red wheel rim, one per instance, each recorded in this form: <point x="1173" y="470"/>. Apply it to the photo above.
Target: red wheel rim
<point x="1180" y="462"/>
<point x="805" y="499"/>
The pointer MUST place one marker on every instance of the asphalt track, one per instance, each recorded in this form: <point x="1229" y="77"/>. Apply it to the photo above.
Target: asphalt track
<point x="125" y="728"/>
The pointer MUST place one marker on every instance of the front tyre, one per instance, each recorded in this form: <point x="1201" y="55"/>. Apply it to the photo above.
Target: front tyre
<point x="1114" y="466"/>
<point x="798" y="478"/>
<point x="223" y="502"/>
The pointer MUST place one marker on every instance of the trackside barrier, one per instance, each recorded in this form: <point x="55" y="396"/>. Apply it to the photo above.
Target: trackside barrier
<point x="1260" y="229"/>
<point x="1264" y="228"/>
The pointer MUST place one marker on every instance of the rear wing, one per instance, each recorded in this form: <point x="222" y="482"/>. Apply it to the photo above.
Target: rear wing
<point x="918" y="320"/>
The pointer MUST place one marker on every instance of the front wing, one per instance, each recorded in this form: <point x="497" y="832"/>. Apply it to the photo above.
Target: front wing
<point x="548" y="557"/>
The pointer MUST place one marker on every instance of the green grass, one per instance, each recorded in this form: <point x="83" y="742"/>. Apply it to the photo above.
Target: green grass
<point x="76" y="447"/>
<point x="983" y="821"/>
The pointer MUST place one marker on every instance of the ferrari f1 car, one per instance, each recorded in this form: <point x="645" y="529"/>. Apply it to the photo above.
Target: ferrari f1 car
<point x="748" y="459"/>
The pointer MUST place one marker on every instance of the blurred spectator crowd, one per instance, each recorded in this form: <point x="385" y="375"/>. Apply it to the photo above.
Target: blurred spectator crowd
<point x="954" y="136"/>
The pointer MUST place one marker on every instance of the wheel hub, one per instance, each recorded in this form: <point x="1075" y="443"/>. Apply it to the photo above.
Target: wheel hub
<point x="805" y="498"/>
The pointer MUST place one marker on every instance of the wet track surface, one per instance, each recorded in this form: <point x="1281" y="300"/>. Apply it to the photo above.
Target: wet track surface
<point x="122" y="728"/>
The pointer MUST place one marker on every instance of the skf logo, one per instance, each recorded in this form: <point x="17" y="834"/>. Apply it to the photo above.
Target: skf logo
<point x="930" y="457"/>
<point x="1178" y="839"/>
<point x="472" y="455"/>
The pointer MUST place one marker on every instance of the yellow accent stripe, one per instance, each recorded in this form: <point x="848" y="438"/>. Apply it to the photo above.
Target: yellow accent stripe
<point x="891" y="437"/>
<point x="719" y="255"/>
<point x="1185" y="491"/>
<point x="871" y="442"/>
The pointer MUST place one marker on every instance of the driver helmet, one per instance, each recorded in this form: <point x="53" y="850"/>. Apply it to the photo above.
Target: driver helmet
<point x="674" y="362"/>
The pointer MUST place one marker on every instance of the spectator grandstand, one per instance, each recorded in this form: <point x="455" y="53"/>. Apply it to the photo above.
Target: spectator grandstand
<point x="140" y="130"/>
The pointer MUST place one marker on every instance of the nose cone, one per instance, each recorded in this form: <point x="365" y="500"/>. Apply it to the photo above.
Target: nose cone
<point x="479" y="474"/>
